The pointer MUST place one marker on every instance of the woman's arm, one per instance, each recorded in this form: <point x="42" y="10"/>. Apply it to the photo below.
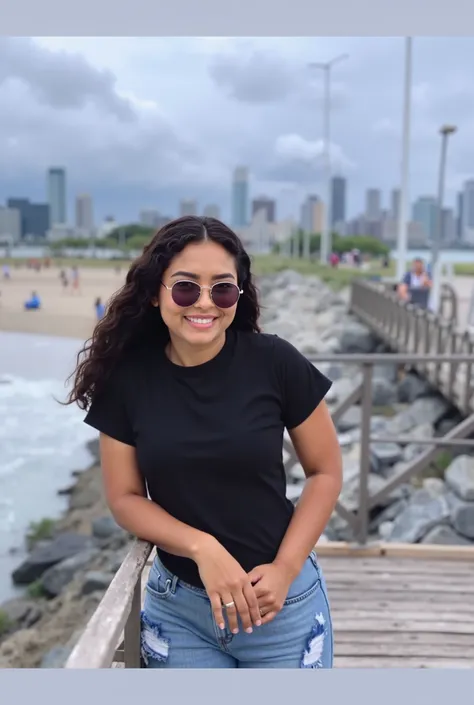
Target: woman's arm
<point x="223" y="577"/>
<point x="317" y="447"/>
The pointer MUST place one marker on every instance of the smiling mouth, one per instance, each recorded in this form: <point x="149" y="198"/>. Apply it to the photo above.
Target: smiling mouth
<point x="200" y="321"/>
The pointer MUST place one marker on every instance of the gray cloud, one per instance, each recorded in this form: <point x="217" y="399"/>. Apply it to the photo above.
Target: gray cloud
<point x="170" y="118"/>
<point x="61" y="80"/>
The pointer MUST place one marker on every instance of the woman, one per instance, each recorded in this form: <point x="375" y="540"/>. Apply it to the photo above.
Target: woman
<point x="191" y="401"/>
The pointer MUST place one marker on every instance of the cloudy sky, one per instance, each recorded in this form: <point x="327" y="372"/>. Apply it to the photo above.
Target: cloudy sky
<point x="143" y="122"/>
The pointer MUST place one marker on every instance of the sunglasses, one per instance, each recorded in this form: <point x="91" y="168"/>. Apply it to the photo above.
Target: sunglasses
<point x="186" y="293"/>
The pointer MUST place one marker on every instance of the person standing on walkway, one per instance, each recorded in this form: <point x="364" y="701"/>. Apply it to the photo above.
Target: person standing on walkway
<point x="191" y="400"/>
<point x="416" y="284"/>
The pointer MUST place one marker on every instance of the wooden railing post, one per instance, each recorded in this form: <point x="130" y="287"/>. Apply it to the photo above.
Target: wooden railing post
<point x="363" y="512"/>
<point x="131" y="641"/>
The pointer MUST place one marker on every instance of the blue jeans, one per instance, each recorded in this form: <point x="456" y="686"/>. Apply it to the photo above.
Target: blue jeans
<point x="178" y="629"/>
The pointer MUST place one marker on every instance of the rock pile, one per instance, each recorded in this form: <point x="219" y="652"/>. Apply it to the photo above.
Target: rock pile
<point x="439" y="507"/>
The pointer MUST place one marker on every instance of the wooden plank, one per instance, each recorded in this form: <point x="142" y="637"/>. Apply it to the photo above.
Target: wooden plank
<point x="395" y="565"/>
<point x="400" y="625"/>
<point x="417" y="551"/>
<point x="96" y="647"/>
<point x="431" y="616"/>
<point x="398" y="586"/>
<point x="335" y="592"/>
<point x="412" y="605"/>
<point x="443" y="583"/>
<point x="393" y="662"/>
<point x="375" y="649"/>
<point x="433" y="638"/>
<point x="362" y="576"/>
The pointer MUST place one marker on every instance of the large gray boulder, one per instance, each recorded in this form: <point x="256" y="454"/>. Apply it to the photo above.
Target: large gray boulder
<point x="48" y="554"/>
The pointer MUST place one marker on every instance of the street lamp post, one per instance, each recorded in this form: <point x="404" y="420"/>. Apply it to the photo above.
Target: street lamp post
<point x="403" y="206"/>
<point x="445" y="132"/>
<point x="326" y="230"/>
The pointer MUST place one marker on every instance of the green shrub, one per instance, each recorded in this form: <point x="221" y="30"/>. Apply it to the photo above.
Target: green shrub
<point x="39" y="531"/>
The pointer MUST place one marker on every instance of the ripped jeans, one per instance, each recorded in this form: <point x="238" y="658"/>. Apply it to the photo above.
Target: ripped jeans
<point x="178" y="629"/>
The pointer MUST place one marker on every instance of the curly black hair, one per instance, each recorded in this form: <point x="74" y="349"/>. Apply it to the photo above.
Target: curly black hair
<point x="131" y="320"/>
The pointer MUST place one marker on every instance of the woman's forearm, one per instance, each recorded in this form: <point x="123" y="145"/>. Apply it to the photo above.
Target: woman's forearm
<point x="312" y="513"/>
<point x="148" y="521"/>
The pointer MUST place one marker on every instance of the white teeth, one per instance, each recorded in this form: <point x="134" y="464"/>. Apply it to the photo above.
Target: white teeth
<point x="200" y="321"/>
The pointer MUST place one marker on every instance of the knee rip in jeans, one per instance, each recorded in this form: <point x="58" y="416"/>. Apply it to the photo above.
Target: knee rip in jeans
<point x="153" y="644"/>
<point x="312" y="655"/>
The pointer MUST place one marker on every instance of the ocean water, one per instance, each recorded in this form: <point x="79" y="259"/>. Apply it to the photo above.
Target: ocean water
<point x="41" y="441"/>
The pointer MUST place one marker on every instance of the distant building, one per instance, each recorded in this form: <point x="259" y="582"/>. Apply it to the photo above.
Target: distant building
<point x="34" y="217"/>
<point x="338" y="201"/>
<point x="187" y="207"/>
<point x="267" y="205"/>
<point x="395" y="204"/>
<point x="459" y="215"/>
<point x="150" y="218"/>
<point x="448" y="226"/>
<point x="425" y="211"/>
<point x="468" y="211"/>
<point x="373" y="204"/>
<point x="240" y="197"/>
<point x="212" y="211"/>
<point x="57" y="195"/>
<point x="10" y="224"/>
<point x="84" y="213"/>
<point x="312" y="215"/>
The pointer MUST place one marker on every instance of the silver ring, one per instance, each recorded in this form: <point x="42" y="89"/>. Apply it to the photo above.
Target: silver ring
<point x="229" y="604"/>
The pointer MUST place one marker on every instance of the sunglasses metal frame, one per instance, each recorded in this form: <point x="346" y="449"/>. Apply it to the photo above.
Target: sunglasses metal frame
<point x="201" y="287"/>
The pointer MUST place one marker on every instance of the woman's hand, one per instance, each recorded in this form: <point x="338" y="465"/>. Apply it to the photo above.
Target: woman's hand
<point x="228" y="587"/>
<point x="271" y="582"/>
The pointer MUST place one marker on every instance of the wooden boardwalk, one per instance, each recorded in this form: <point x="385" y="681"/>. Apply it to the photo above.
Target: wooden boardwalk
<point x="412" y="608"/>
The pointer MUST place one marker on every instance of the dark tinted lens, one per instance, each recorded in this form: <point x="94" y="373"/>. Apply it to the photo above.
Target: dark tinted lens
<point x="225" y="294"/>
<point x="185" y="293"/>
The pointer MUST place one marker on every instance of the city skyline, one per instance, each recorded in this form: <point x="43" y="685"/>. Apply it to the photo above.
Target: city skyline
<point x="135" y="139"/>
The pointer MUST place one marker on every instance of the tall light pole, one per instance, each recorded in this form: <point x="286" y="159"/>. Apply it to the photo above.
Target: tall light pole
<point x="445" y="132"/>
<point x="402" y="235"/>
<point x="326" y="230"/>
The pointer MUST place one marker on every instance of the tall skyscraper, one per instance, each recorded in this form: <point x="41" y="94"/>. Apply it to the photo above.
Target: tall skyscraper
<point x="240" y="197"/>
<point x="459" y="215"/>
<point x="425" y="211"/>
<point x="338" y="205"/>
<point x="57" y="196"/>
<point x="468" y="211"/>
<point x="312" y="214"/>
<point x="187" y="207"/>
<point x="264" y="204"/>
<point x="373" y="204"/>
<point x="212" y="211"/>
<point x="395" y="204"/>
<point x="84" y="213"/>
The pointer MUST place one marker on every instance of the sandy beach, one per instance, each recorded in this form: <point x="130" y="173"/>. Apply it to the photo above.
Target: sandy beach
<point x="64" y="311"/>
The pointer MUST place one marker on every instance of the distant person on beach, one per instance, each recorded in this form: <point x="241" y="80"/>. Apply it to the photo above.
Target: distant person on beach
<point x="415" y="284"/>
<point x="75" y="278"/>
<point x="99" y="308"/>
<point x="33" y="303"/>
<point x="6" y="271"/>
<point x="191" y="400"/>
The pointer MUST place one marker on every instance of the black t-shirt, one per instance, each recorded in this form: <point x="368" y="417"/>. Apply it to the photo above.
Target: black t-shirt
<point x="209" y="438"/>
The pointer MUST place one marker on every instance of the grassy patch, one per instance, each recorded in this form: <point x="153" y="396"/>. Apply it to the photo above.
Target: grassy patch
<point x="466" y="269"/>
<point x="5" y="622"/>
<point x="39" y="531"/>
<point x="335" y="278"/>
<point x="35" y="590"/>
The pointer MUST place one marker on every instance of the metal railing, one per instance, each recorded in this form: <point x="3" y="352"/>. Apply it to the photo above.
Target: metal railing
<point x="420" y="332"/>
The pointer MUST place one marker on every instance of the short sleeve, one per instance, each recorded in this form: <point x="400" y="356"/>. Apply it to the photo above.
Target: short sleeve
<point x="303" y="386"/>
<point x="108" y="411"/>
<point x="406" y="278"/>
